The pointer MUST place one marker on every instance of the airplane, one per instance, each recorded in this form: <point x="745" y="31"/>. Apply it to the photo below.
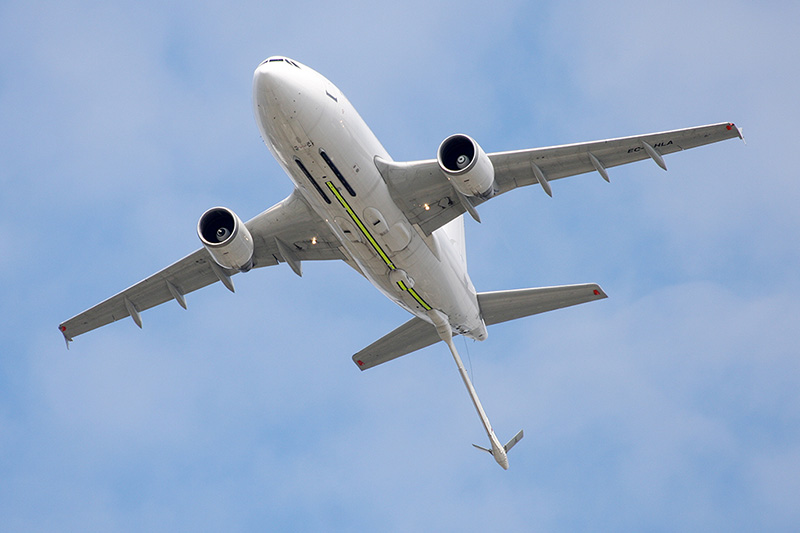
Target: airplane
<point x="399" y="224"/>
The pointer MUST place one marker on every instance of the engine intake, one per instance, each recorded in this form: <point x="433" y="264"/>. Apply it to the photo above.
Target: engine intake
<point x="465" y="163"/>
<point x="226" y="238"/>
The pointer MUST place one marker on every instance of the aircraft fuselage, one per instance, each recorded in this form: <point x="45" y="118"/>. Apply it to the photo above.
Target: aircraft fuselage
<point x="329" y="153"/>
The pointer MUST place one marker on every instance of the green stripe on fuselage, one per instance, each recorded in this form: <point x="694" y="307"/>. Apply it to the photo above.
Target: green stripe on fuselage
<point x="374" y="243"/>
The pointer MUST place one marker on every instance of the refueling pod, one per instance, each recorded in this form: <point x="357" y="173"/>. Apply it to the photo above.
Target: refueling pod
<point x="226" y="238"/>
<point x="467" y="166"/>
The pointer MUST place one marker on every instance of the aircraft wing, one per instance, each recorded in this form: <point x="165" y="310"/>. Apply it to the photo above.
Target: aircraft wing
<point x="292" y="221"/>
<point x="429" y="200"/>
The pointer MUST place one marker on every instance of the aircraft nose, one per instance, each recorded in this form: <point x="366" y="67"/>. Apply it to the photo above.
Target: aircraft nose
<point x="277" y="75"/>
<point x="281" y="85"/>
<point x="267" y="79"/>
<point x="286" y="98"/>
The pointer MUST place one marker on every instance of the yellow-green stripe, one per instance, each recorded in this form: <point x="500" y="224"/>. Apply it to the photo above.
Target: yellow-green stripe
<point x="374" y="243"/>
<point x="360" y="224"/>
<point x="419" y="299"/>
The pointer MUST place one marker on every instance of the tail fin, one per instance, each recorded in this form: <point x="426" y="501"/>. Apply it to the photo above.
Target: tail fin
<point x="510" y="444"/>
<point x="500" y="454"/>
<point x="515" y="439"/>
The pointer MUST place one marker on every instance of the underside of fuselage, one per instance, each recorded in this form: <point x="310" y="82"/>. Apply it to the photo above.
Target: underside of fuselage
<point x="329" y="153"/>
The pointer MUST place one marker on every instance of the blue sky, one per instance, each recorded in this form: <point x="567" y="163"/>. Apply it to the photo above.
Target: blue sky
<point x="672" y="405"/>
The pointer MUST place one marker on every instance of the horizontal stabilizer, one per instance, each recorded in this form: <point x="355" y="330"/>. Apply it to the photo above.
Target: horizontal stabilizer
<point x="502" y="306"/>
<point x="411" y="336"/>
<point x="496" y="307"/>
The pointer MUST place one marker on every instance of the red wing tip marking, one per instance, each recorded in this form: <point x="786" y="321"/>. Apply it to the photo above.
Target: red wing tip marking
<point x="62" y="328"/>
<point x="732" y="126"/>
<point x="596" y="292"/>
<point x="360" y="362"/>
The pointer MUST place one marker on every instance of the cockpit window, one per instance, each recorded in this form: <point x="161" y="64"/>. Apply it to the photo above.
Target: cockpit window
<point x="280" y="60"/>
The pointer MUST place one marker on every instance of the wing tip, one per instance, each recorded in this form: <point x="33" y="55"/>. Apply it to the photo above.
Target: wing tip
<point x="731" y="126"/>
<point x="361" y="364"/>
<point x="67" y="338"/>
<point x="598" y="291"/>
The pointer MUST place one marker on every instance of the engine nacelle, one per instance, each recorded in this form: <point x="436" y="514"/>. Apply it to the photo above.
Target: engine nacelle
<point x="465" y="163"/>
<point x="226" y="238"/>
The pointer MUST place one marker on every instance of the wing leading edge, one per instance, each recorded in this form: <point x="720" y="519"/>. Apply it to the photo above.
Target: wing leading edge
<point x="429" y="200"/>
<point x="289" y="228"/>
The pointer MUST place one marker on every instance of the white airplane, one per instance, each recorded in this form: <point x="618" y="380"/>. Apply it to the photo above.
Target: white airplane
<point x="400" y="225"/>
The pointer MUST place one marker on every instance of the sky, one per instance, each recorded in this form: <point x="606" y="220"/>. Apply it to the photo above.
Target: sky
<point x="671" y="406"/>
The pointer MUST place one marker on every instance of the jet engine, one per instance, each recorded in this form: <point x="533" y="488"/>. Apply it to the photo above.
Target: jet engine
<point x="465" y="163"/>
<point x="226" y="238"/>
